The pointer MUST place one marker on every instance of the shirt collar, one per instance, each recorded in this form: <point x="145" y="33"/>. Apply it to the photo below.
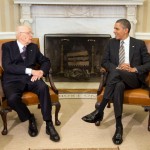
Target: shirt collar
<point x="20" y="45"/>
<point x="127" y="40"/>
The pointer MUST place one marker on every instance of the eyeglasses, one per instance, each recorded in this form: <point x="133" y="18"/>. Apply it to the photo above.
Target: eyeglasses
<point x="29" y="33"/>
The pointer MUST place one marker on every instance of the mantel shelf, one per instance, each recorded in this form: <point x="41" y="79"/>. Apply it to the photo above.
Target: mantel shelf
<point x="80" y="2"/>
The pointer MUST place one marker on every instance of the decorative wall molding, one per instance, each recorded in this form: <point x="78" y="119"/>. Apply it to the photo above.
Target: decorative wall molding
<point x="26" y="14"/>
<point x="7" y="35"/>
<point x="79" y="11"/>
<point x="143" y="36"/>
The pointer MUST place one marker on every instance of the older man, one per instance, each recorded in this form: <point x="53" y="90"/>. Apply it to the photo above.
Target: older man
<point x="19" y="59"/>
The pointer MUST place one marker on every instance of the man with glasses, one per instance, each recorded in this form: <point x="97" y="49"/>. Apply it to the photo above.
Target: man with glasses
<point x="19" y="59"/>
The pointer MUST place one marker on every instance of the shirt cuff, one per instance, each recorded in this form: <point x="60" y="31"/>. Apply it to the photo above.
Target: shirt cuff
<point x="28" y="71"/>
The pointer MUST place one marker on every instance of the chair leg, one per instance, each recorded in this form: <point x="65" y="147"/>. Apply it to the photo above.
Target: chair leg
<point x="57" y="109"/>
<point x="108" y="105"/>
<point x="147" y="108"/>
<point x="3" y="113"/>
<point x="149" y="121"/>
<point x="39" y="106"/>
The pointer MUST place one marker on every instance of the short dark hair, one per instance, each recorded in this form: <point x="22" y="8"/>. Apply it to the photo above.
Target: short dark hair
<point x="126" y="23"/>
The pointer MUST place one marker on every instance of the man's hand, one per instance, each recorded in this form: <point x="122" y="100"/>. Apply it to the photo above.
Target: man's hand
<point x="126" y="67"/>
<point x="36" y="75"/>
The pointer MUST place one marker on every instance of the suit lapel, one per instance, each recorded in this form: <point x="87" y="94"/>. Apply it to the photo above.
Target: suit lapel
<point x="29" y="54"/>
<point x="16" y="50"/>
<point x="131" y="48"/>
<point x="117" y="46"/>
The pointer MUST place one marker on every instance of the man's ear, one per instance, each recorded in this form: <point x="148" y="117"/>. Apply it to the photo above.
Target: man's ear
<point x="126" y="30"/>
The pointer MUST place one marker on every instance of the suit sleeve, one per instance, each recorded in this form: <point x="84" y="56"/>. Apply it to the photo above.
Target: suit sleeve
<point x="43" y="61"/>
<point x="145" y="59"/>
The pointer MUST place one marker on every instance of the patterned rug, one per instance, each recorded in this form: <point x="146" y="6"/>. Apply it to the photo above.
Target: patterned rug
<point x="117" y="148"/>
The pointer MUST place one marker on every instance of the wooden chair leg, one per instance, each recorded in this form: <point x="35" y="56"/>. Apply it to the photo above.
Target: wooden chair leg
<point x="3" y="113"/>
<point x="57" y="109"/>
<point x="149" y="121"/>
<point x="39" y="106"/>
<point x="108" y="105"/>
<point x="147" y="109"/>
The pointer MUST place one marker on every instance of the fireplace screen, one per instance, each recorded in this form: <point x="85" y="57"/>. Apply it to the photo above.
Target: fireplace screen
<point x="75" y="57"/>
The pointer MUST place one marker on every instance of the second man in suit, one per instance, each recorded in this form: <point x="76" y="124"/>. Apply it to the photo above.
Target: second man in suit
<point x="127" y="62"/>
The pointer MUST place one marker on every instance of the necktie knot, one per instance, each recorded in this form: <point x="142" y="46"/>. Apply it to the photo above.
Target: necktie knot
<point x="24" y="48"/>
<point x="122" y="42"/>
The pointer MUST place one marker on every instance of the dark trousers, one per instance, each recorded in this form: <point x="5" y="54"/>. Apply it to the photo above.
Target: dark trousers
<point x="13" y="93"/>
<point x="117" y="82"/>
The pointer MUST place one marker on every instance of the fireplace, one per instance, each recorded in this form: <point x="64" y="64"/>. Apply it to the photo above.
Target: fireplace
<point x="75" y="57"/>
<point x="85" y="23"/>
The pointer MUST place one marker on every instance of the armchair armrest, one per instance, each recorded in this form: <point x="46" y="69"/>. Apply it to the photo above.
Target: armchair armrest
<point x="148" y="82"/>
<point x="1" y="89"/>
<point x="51" y="82"/>
<point x="1" y="72"/>
<point x="102" y="80"/>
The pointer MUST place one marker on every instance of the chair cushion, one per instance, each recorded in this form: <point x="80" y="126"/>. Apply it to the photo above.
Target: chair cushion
<point x="30" y="98"/>
<point x="135" y="96"/>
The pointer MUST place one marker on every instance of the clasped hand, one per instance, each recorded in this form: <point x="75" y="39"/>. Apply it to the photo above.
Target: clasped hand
<point x="36" y="75"/>
<point x="126" y="67"/>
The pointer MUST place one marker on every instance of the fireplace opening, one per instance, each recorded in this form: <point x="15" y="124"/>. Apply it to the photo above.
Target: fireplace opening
<point x="75" y="57"/>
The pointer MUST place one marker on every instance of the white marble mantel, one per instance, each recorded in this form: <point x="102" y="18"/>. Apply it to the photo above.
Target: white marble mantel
<point x="76" y="16"/>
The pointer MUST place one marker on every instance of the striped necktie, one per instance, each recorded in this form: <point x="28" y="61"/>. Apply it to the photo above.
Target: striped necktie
<point x="23" y="54"/>
<point x="121" y="53"/>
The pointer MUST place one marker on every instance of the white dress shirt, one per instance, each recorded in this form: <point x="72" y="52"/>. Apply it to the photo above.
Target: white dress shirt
<point x="27" y="70"/>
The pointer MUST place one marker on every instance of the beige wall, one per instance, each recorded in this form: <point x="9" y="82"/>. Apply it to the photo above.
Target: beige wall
<point x="143" y="15"/>
<point x="9" y="16"/>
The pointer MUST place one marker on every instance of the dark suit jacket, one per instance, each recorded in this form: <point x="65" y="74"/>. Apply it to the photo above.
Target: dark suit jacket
<point x="138" y="56"/>
<point x="14" y="66"/>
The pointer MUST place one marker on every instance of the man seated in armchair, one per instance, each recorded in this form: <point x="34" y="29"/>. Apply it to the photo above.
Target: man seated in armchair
<point x="127" y="62"/>
<point x="19" y="59"/>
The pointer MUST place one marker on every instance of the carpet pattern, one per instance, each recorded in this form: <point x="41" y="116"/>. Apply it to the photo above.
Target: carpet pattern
<point x="117" y="148"/>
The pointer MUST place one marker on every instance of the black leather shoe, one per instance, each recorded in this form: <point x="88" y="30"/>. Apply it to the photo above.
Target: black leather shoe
<point x="50" y="130"/>
<point x="33" y="131"/>
<point x="93" y="117"/>
<point x="117" y="138"/>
